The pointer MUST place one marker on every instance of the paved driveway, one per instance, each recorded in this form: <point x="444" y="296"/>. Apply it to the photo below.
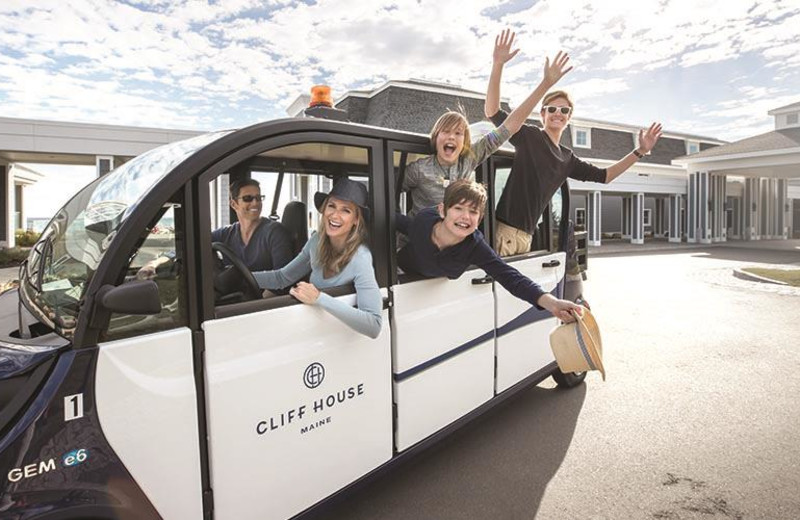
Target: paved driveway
<point x="699" y="416"/>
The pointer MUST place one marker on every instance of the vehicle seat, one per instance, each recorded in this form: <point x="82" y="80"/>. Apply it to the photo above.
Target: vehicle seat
<point x="294" y="220"/>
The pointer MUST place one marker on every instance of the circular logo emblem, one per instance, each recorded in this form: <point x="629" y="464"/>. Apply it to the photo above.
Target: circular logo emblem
<point x="314" y="375"/>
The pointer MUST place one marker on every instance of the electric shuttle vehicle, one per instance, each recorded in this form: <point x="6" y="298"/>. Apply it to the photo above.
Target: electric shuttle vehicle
<point x="188" y="396"/>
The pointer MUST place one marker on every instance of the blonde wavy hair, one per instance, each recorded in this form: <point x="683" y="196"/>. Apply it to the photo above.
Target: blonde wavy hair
<point x="332" y="261"/>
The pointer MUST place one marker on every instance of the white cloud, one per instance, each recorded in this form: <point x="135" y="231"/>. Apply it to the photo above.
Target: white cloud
<point x="194" y="64"/>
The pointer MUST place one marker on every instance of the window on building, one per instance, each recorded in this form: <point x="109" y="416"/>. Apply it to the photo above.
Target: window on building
<point x="791" y="119"/>
<point x="646" y="219"/>
<point x="580" y="219"/>
<point x="692" y="147"/>
<point x="582" y="137"/>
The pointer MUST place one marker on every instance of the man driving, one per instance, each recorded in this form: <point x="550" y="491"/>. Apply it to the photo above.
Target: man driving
<point x="262" y="244"/>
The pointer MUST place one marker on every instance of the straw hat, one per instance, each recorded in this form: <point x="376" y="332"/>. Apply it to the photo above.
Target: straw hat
<point x="577" y="346"/>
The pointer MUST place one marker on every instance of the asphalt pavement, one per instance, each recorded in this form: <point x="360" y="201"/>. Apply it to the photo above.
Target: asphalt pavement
<point x="698" y="418"/>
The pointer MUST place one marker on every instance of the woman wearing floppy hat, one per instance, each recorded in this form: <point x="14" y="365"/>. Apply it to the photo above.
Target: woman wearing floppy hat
<point x="336" y="255"/>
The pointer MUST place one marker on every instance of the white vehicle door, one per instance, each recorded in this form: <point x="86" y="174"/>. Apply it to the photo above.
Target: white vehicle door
<point x="442" y="352"/>
<point x="523" y="331"/>
<point x="442" y="346"/>
<point x="144" y="380"/>
<point x="299" y="405"/>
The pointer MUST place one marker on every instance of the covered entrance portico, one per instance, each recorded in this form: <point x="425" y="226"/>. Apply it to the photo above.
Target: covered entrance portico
<point x="744" y="190"/>
<point x="49" y="142"/>
<point x="649" y="199"/>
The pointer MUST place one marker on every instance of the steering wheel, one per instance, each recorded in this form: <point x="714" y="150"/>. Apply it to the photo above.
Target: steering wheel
<point x="229" y="279"/>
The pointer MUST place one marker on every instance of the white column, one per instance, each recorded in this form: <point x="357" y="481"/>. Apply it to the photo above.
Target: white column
<point x="691" y="208"/>
<point x="784" y="209"/>
<point x="704" y="209"/>
<point x="6" y="206"/>
<point x="674" y="227"/>
<point x="637" y="218"/>
<point x="594" y="206"/>
<point x="764" y="209"/>
<point x="719" y="231"/>
<point x="626" y="216"/>
<point x="658" y="217"/>
<point x="750" y="209"/>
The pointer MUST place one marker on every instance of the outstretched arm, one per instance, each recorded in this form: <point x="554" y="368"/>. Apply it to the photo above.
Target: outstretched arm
<point x="647" y="140"/>
<point x="552" y="73"/>
<point x="561" y="309"/>
<point x="502" y="54"/>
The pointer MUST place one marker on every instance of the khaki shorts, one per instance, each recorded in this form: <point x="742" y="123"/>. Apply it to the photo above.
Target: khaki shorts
<point x="511" y="241"/>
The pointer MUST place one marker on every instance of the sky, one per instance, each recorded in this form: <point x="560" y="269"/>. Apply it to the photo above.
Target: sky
<point x="709" y="68"/>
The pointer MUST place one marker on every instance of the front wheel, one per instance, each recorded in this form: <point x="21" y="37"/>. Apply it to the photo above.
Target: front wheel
<point x="568" y="380"/>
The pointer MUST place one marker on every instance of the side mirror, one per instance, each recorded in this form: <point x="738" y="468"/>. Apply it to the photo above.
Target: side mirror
<point x="136" y="297"/>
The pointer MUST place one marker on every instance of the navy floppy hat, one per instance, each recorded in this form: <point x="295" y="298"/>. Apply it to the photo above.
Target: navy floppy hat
<point x="345" y="189"/>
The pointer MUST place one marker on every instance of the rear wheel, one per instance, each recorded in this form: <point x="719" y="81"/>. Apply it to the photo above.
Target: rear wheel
<point x="568" y="380"/>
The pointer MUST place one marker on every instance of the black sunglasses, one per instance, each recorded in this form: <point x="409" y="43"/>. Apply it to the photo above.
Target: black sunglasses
<point x="552" y="110"/>
<point x="252" y="198"/>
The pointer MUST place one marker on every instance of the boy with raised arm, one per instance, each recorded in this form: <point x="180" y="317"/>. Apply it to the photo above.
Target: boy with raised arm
<point x="444" y="241"/>
<point x="541" y="164"/>
<point x="455" y="157"/>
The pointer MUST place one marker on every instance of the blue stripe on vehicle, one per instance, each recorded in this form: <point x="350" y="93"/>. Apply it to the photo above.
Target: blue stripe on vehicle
<point x="528" y="317"/>
<point x="483" y="338"/>
<point x="531" y="315"/>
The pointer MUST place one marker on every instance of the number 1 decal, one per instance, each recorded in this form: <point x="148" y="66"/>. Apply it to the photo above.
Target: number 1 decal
<point x="73" y="407"/>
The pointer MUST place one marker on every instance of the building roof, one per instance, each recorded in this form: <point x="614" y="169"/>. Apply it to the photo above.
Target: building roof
<point x="788" y="108"/>
<point x="457" y="90"/>
<point x="784" y="139"/>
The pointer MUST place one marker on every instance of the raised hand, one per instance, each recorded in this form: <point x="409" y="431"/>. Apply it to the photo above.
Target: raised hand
<point x="556" y="70"/>
<point x="648" y="139"/>
<point x="502" y="47"/>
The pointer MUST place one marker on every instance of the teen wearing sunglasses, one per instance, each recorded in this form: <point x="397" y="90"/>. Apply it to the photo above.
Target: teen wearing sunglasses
<point x="541" y="164"/>
<point x="455" y="157"/>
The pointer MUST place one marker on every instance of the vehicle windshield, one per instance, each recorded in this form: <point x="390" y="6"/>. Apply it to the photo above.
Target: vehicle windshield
<point x="62" y="262"/>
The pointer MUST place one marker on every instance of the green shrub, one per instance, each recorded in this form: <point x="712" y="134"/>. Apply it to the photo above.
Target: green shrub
<point x="26" y="238"/>
<point x="12" y="257"/>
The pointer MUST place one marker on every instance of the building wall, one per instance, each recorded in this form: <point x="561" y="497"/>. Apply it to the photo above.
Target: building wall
<point x="417" y="110"/>
<point x="356" y="109"/>
<point x="4" y="205"/>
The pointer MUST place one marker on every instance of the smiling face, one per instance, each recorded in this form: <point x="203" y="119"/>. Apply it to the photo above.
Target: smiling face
<point x="450" y="137"/>
<point x="462" y="219"/>
<point x="339" y="217"/>
<point x="556" y="122"/>
<point x="248" y="211"/>
<point x="450" y="144"/>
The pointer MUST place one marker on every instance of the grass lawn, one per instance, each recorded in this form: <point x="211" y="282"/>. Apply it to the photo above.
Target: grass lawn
<point x="789" y="276"/>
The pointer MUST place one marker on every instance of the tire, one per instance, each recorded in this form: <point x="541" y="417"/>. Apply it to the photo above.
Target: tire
<point x="569" y="380"/>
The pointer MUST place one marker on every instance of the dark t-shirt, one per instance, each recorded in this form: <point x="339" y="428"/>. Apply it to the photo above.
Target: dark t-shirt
<point x="540" y="168"/>
<point x="421" y="256"/>
<point x="269" y="248"/>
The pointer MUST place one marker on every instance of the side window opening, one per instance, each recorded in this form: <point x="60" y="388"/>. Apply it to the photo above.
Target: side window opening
<point x="160" y="258"/>
<point x="545" y="237"/>
<point x="288" y="178"/>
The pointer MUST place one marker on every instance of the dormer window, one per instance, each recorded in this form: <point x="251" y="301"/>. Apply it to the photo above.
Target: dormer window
<point x="692" y="147"/>
<point x="582" y="137"/>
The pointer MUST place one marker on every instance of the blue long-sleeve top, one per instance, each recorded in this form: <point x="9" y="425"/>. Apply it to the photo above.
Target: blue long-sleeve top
<point x="366" y="317"/>
<point x="421" y="256"/>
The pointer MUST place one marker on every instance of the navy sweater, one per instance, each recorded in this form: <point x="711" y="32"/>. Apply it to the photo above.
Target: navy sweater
<point x="421" y="256"/>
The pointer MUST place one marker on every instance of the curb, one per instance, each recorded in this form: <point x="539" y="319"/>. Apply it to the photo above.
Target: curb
<point x="738" y="273"/>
